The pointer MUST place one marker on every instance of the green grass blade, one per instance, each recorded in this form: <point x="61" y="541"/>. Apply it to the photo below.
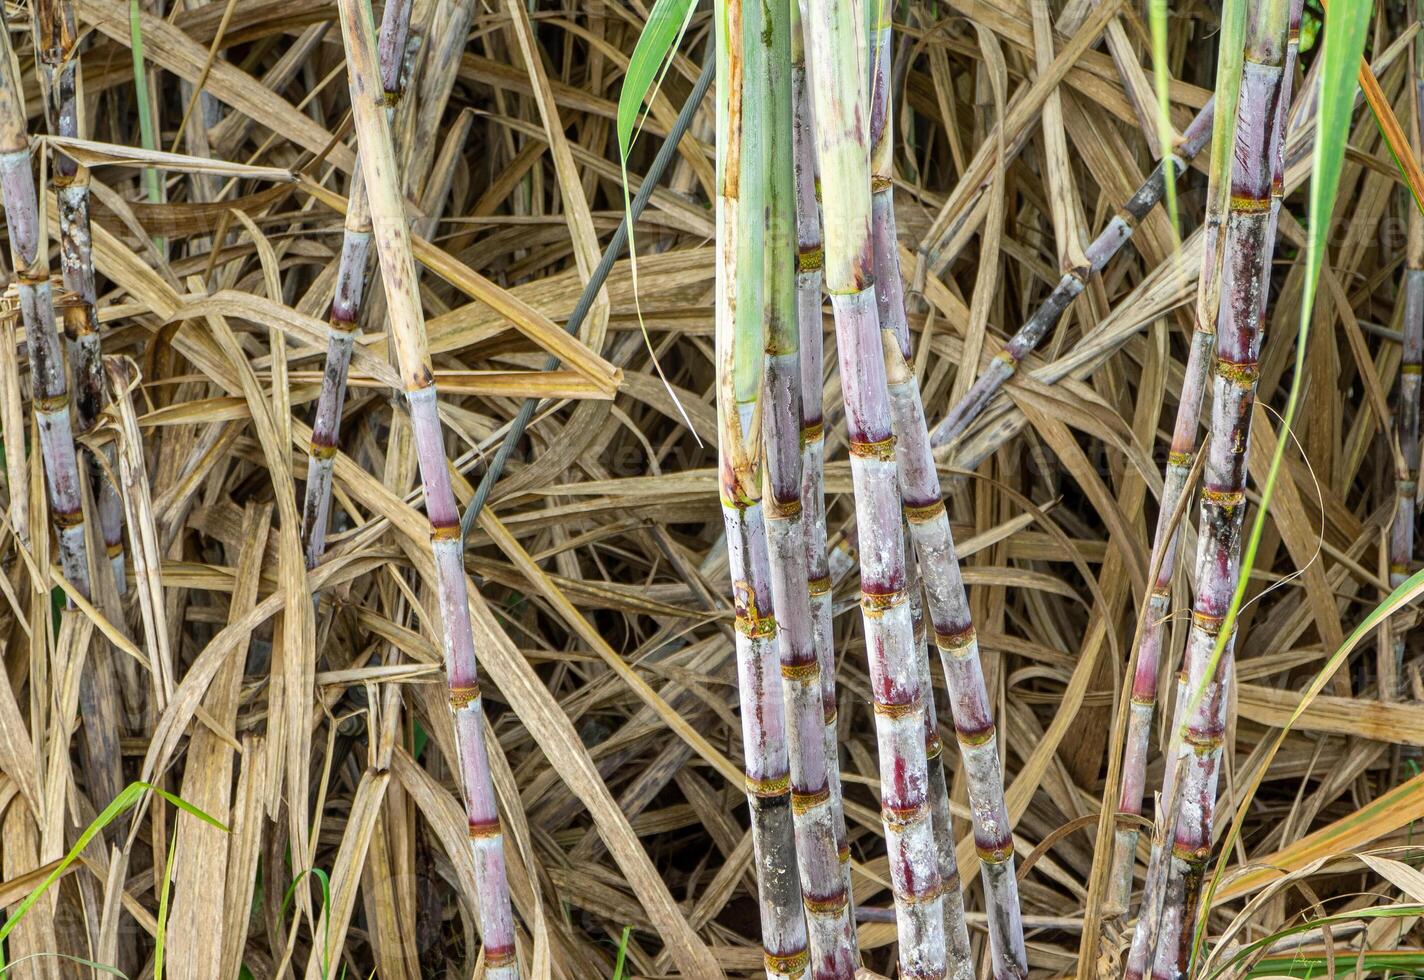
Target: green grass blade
<point x="126" y="799"/>
<point x="1162" y="87"/>
<point x="160" y="935"/>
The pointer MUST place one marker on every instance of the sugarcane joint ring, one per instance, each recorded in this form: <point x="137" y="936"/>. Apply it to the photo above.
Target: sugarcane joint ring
<point x="923" y="897"/>
<point x="805" y="802"/>
<point x="1206" y="622"/>
<point x="923" y="513"/>
<point x="484" y="829"/>
<point x="956" y="641"/>
<point x="813" y="432"/>
<point x="1410" y="368"/>
<point x="66" y="519"/>
<point x="898" y="709"/>
<point x="768" y="788"/>
<point x="789" y="964"/>
<point x="877" y="603"/>
<point x="1223" y="498"/>
<point x="880" y="182"/>
<point x="810" y="259"/>
<point x="934" y="745"/>
<point x="52" y="404"/>
<point x="462" y="696"/>
<point x="756" y="627"/>
<point x="903" y="817"/>
<point x="819" y="585"/>
<point x="499" y="958"/>
<point x="1239" y="373"/>
<point x="882" y="449"/>
<point x="995" y="853"/>
<point x="807" y="673"/>
<point x="1179" y="458"/>
<point x="827" y="906"/>
<point x="1406" y="488"/>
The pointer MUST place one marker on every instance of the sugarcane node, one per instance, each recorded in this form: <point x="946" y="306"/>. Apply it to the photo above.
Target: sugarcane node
<point x="790" y="963"/>
<point x="810" y="259"/>
<point x="1202" y="742"/>
<point x="1223" y="498"/>
<point x="756" y="627"/>
<point x="1250" y="204"/>
<point x="805" y="802"/>
<point x="1207" y="622"/>
<point x="1190" y="853"/>
<point x="923" y="513"/>
<point x="114" y="550"/>
<point x="1240" y="374"/>
<point x="1410" y="368"/>
<point x="813" y="432"/>
<point x="322" y="449"/>
<point x="975" y="737"/>
<point x="955" y="641"/>
<point x="882" y="450"/>
<point x="52" y="404"/>
<point x="996" y="853"/>
<point x="876" y="604"/>
<point x="484" y="830"/>
<point x="445" y="532"/>
<point x="934" y="745"/>
<point x="902" y="818"/>
<point x="931" y="892"/>
<point x="819" y="585"/>
<point x="898" y="709"/>
<point x="65" y="519"/>
<point x="1180" y="458"/>
<point x="498" y="958"/>
<point x="825" y="905"/>
<point x="802" y="673"/>
<point x="782" y="510"/>
<point x="769" y="788"/>
<point x="463" y="696"/>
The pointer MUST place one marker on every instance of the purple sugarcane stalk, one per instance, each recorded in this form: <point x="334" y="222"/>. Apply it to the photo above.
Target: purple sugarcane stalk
<point x="1245" y="260"/>
<point x="342" y="325"/>
<point x="816" y="811"/>
<point x="835" y="43"/>
<point x="1179" y="464"/>
<point x="1073" y="282"/>
<point x="743" y="97"/>
<point x="938" y="563"/>
<point x="810" y="345"/>
<point x="57" y="49"/>
<point x="1406" y="412"/>
<point x="49" y="391"/>
<point x="407" y="332"/>
<point x="956" y="930"/>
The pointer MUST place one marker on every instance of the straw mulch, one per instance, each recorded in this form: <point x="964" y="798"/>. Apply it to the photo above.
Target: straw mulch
<point x="323" y="742"/>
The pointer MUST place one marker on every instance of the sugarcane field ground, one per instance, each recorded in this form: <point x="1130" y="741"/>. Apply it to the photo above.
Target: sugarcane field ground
<point x="242" y="767"/>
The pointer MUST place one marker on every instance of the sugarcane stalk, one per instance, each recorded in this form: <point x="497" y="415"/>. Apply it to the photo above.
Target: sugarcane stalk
<point x="407" y="332"/>
<point x="816" y="812"/>
<point x="1098" y="253"/>
<point x="743" y="98"/>
<point x="1241" y="284"/>
<point x="1406" y="412"/>
<point x="49" y="391"/>
<point x="1179" y="464"/>
<point x="958" y="953"/>
<point x="57" y="57"/>
<point x="48" y="384"/>
<point x="835" y="43"/>
<point x="934" y="547"/>
<point x="342" y="321"/>
<point x="809" y="259"/>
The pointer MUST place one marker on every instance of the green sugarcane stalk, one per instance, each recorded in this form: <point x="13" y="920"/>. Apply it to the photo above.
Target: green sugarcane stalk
<point x="57" y="58"/>
<point x="1179" y="464"/>
<point x="1406" y="413"/>
<point x="835" y="43"/>
<point x="407" y="332"/>
<point x="816" y="811"/>
<point x="743" y="98"/>
<point x="1241" y="281"/>
<point x="342" y="325"/>
<point x="938" y="562"/>
<point x="809" y="259"/>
